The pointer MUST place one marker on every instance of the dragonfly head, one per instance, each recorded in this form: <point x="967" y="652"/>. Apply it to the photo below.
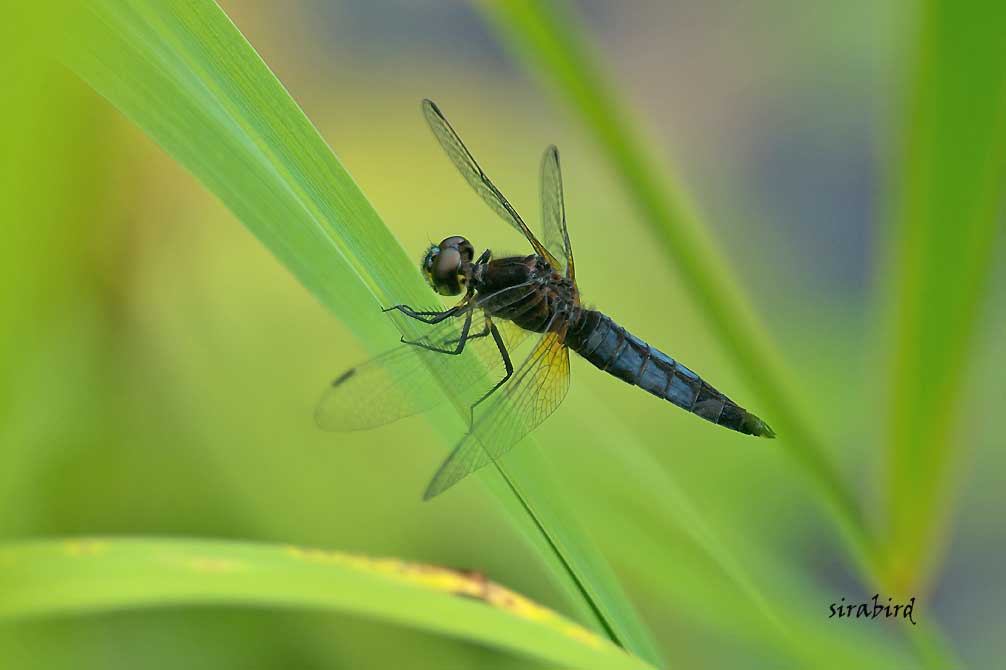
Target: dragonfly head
<point x="447" y="266"/>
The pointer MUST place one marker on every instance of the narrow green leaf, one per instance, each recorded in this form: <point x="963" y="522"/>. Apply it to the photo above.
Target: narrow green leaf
<point x="59" y="577"/>
<point x="657" y="523"/>
<point x="183" y="73"/>
<point x="549" y="39"/>
<point x="945" y="230"/>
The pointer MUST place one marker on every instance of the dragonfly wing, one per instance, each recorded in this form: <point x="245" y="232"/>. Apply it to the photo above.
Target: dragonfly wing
<point x="376" y="392"/>
<point x="553" y="211"/>
<point x="473" y="174"/>
<point x="538" y="386"/>
<point x="408" y="379"/>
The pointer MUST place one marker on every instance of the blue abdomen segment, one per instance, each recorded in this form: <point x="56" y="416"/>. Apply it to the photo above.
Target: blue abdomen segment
<point x="620" y="353"/>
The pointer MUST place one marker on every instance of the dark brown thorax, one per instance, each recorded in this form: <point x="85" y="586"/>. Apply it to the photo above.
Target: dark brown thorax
<point x="503" y="285"/>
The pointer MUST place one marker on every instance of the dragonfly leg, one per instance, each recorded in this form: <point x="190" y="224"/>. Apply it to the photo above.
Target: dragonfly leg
<point x="461" y="341"/>
<point x="506" y="362"/>
<point x="425" y="317"/>
<point x="485" y="333"/>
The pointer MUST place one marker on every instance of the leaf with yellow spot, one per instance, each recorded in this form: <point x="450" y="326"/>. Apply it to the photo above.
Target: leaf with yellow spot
<point x="55" y="577"/>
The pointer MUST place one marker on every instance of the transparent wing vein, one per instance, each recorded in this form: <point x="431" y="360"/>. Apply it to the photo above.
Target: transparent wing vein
<point x="553" y="211"/>
<point x="538" y="386"/>
<point x="476" y="178"/>
<point x="409" y="380"/>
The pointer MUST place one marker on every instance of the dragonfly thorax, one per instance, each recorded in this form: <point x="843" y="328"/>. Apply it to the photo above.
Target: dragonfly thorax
<point x="522" y="289"/>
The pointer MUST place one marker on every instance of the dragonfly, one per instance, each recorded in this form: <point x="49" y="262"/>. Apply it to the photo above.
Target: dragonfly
<point x="503" y="302"/>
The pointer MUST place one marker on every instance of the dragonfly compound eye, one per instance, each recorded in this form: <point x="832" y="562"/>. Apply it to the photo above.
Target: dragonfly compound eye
<point x="462" y="245"/>
<point x="426" y="266"/>
<point x="442" y="267"/>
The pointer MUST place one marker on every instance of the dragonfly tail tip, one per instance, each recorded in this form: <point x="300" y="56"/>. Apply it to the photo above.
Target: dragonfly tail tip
<point x="431" y="492"/>
<point x="755" y="426"/>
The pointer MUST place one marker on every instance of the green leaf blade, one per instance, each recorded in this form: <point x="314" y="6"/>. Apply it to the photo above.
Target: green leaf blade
<point x="945" y="229"/>
<point x="547" y="37"/>
<point x="79" y="576"/>
<point x="184" y="74"/>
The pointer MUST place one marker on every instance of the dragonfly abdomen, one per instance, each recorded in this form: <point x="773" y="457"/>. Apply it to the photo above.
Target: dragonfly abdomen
<point x="618" y="352"/>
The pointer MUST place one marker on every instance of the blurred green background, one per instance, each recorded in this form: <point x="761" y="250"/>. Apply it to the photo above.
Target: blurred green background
<point x="160" y="367"/>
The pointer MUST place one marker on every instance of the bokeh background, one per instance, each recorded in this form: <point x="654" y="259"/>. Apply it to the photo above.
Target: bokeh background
<point x="160" y="368"/>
